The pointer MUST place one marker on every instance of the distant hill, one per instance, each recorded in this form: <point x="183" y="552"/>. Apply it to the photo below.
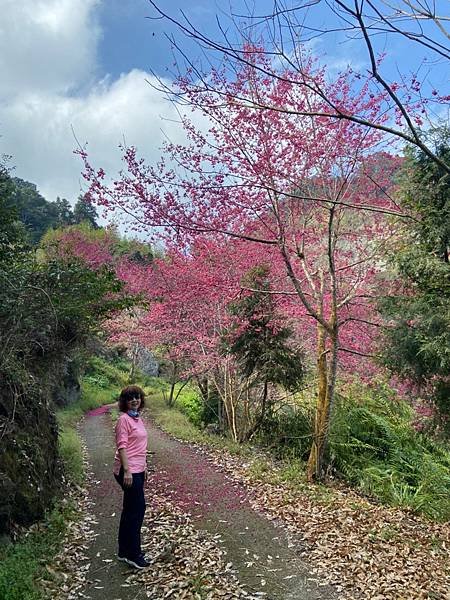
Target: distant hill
<point x="38" y="214"/>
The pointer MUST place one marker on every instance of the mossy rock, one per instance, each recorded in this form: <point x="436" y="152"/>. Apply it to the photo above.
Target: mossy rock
<point x="29" y="467"/>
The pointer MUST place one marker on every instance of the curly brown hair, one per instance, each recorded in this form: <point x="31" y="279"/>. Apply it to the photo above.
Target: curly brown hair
<point x="127" y="394"/>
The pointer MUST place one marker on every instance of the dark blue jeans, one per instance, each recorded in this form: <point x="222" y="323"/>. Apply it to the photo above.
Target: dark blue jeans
<point x="132" y="516"/>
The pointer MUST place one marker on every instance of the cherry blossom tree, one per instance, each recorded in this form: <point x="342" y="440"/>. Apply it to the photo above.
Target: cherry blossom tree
<point x="190" y="318"/>
<point x="313" y="195"/>
<point x="411" y="100"/>
<point x="93" y="247"/>
<point x="103" y="248"/>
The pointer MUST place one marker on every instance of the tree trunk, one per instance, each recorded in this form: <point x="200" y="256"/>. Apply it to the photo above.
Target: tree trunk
<point x="134" y="356"/>
<point x="220" y="412"/>
<point x="221" y="393"/>
<point x="181" y="388"/>
<point x="260" y="419"/>
<point x="233" y="424"/>
<point x="327" y="376"/>
<point x="171" y="393"/>
<point x="203" y="387"/>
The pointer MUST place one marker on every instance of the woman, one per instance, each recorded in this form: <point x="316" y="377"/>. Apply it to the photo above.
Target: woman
<point x="130" y="471"/>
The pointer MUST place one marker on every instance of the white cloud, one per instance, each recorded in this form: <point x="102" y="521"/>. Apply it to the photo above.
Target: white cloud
<point x="47" y="45"/>
<point x="37" y="130"/>
<point x="47" y="62"/>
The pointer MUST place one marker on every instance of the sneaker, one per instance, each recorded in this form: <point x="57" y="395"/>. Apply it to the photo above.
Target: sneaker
<point x="138" y="563"/>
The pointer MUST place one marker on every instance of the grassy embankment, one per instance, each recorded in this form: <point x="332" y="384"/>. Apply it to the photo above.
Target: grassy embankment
<point x="23" y="564"/>
<point x="374" y="447"/>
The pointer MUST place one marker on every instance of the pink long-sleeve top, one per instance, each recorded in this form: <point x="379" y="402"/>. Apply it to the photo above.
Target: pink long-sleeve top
<point x="131" y="435"/>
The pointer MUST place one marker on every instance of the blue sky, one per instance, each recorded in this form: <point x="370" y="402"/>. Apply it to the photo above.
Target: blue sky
<point x="131" y="39"/>
<point x="79" y="68"/>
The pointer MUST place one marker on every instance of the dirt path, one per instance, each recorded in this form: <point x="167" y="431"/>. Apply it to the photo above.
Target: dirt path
<point x="266" y="559"/>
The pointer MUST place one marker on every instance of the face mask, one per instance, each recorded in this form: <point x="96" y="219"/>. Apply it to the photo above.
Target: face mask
<point x="133" y="413"/>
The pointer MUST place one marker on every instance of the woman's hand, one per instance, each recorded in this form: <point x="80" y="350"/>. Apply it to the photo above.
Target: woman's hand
<point x="127" y="479"/>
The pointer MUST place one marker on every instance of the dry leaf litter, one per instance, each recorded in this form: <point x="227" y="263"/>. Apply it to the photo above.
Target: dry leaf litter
<point x="66" y="575"/>
<point x="185" y="563"/>
<point x="364" y="549"/>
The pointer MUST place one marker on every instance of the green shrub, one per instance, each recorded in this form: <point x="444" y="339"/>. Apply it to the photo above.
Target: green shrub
<point x="374" y="446"/>
<point x="191" y="404"/>
<point x="172" y="420"/>
<point x="97" y="389"/>
<point x="154" y="385"/>
<point x="100" y="385"/>
<point x="23" y="563"/>
<point x="104" y="373"/>
<point x="177" y="424"/>
<point x="93" y="396"/>
<point x="288" y="433"/>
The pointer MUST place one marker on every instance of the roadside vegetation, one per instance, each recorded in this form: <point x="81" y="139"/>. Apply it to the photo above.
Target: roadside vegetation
<point x="99" y="386"/>
<point x="184" y="420"/>
<point x="24" y="564"/>
<point x="374" y="446"/>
